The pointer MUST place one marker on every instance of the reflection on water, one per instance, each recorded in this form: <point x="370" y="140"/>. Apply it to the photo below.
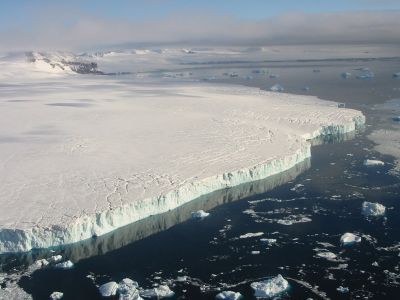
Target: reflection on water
<point x="157" y="223"/>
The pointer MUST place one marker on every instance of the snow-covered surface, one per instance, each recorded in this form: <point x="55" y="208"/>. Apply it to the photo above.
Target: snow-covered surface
<point x="270" y="288"/>
<point x="90" y="154"/>
<point x="372" y="209"/>
<point x="349" y="239"/>
<point x="228" y="295"/>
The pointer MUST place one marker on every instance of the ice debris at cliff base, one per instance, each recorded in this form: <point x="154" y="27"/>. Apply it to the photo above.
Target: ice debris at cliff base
<point x="349" y="239"/>
<point x="200" y="214"/>
<point x="271" y="287"/>
<point x="372" y="209"/>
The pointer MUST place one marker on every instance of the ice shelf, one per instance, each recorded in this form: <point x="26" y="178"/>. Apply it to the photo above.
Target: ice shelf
<point x="82" y="156"/>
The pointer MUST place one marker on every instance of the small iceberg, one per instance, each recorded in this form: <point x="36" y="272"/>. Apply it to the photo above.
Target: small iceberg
<point x="228" y="295"/>
<point x="366" y="75"/>
<point x="250" y="235"/>
<point x="349" y="239"/>
<point x="108" y="289"/>
<point x="372" y="209"/>
<point x="269" y="242"/>
<point x="396" y="75"/>
<point x="200" y="214"/>
<point x="327" y="255"/>
<point x="64" y="265"/>
<point x="373" y="162"/>
<point x="128" y="290"/>
<point x="56" y="296"/>
<point x="162" y="291"/>
<point x="270" y="288"/>
<point x="276" y="88"/>
<point x="346" y="75"/>
<point x="342" y="289"/>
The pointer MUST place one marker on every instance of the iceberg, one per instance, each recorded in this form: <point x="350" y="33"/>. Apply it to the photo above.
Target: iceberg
<point x="56" y="296"/>
<point x="162" y="291"/>
<point x="276" y="88"/>
<point x="349" y="239"/>
<point x="128" y="290"/>
<point x="228" y="295"/>
<point x="108" y="289"/>
<point x="372" y="209"/>
<point x="373" y="162"/>
<point x="200" y="214"/>
<point x="64" y="265"/>
<point x="270" y="288"/>
<point x="342" y="289"/>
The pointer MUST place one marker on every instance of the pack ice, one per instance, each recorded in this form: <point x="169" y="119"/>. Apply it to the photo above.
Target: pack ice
<point x="90" y="154"/>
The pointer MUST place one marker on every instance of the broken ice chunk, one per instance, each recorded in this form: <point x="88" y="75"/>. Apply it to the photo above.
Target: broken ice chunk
<point x="250" y="235"/>
<point x="373" y="209"/>
<point x="65" y="265"/>
<point x="373" y="162"/>
<point x="108" y="289"/>
<point x="327" y="255"/>
<point x="56" y="296"/>
<point x="349" y="239"/>
<point x="54" y="258"/>
<point x="127" y="290"/>
<point x="271" y="287"/>
<point x="396" y="75"/>
<point x="277" y="88"/>
<point x="272" y="76"/>
<point x="342" y="289"/>
<point x="228" y="295"/>
<point x="162" y="291"/>
<point x="366" y="75"/>
<point x="268" y="241"/>
<point x="200" y="214"/>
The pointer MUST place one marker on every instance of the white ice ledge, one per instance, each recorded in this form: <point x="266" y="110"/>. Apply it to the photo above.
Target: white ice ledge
<point x="279" y="146"/>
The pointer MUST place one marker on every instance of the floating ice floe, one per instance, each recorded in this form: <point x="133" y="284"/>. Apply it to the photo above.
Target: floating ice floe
<point x="327" y="255"/>
<point x="251" y="234"/>
<point x="56" y="296"/>
<point x="108" y="289"/>
<point x="255" y="252"/>
<point x="276" y="88"/>
<point x="162" y="291"/>
<point x="375" y="264"/>
<point x="366" y="75"/>
<point x="268" y="241"/>
<point x="342" y="289"/>
<point x="65" y="265"/>
<point x="127" y="290"/>
<point x="228" y="295"/>
<point x="200" y="214"/>
<point x="271" y="287"/>
<point x="373" y="209"/>
<point x="346" y="75"/>
<point x="349" y="239"/>
<point x="373" y="162"/>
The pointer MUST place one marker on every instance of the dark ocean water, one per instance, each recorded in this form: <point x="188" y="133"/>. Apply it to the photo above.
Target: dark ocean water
<point x="305" y="209"/>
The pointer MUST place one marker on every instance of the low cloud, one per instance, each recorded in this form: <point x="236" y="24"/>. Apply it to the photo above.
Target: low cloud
<point x="75" y="31"/>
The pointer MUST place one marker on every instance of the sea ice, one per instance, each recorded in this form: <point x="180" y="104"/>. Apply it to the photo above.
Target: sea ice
<point x="228" y="295"/>
<point x="250" y="235"/>
<point x="373" y="162"/>
<point x="64" y="265"/>
<point x="270" y="288"/>
<point x="56" y="296"/>
<point x="200" y="214"/>
<point x="162" y="291"/>
<point x="349" y="239"/>
<point x="268" y="241"/>
<point x="373" y="209"/>
<point x="327" y="255"/>
<point x="277" y="88"/>
<point x="108" y="289"/>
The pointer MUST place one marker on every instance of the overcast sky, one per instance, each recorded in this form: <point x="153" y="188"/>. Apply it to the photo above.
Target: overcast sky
<point x="94" y="24"/>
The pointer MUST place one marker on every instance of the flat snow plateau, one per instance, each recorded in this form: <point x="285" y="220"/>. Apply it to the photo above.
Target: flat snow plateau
<point x="82" y="155"/>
